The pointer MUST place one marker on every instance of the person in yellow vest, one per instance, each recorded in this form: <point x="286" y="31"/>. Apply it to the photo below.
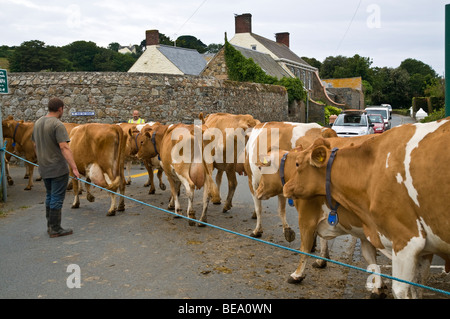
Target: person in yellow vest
<point x="136" y="119"/>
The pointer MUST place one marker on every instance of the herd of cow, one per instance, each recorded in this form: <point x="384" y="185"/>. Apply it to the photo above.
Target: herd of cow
<point x="389" y="190"/>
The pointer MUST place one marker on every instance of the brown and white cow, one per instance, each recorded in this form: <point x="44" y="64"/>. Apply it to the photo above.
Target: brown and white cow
<point x="20" y="133"/>
<point x="313" y="213"/>
<point x="99" y="153"/>
<point x="229" y="150"/>
<point x="132" y="132"/>
<point x="397" y="186"/>
<point x="271" y="137"/>
<point x="179" y="147"/>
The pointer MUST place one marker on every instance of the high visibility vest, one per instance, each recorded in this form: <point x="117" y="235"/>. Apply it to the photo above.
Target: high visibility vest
<point x="139" y="121"/>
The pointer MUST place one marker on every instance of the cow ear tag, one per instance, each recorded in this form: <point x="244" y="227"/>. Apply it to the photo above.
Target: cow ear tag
<point x="333" y="218"/>
<point x="290" y="202"/>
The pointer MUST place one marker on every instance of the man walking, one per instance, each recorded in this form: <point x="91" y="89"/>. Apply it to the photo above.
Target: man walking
<point x="51" y="140"/>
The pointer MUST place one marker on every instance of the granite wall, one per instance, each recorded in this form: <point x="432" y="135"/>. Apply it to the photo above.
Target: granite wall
<point x="110" y="97"/>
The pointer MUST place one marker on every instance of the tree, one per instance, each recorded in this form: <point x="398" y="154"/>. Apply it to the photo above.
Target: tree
<point x="82" y="54"/>
<point x="191" y="42"/>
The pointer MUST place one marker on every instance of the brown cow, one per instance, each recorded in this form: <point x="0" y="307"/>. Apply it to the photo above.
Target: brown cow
<point x="180" y="147"/>
<point x="132" y="131"/>
<point x="397" y="185"/>
<point x="260" y="143"/>
<point x="312" y="213"/>
<point x="99" y="153"/>
<point x="20" y="133"/>
<point x="234" y="129"/>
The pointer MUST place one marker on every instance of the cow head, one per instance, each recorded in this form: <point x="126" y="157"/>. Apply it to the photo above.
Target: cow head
<point x="309" y="179"/>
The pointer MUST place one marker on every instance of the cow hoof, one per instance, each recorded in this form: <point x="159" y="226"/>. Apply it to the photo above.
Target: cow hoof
<point x="289" y="234"/>
<point x="28" y="188"/>
<point x="292" y="280"/>
<point x="378" y="296"/>
<point x="170" y="207"/>
<point x="10" y="182"/>
<point x="257" y="235"/>
<point x="216" y="202"/>
<point x="162" y="186"/>
<point x="319" y="264"/>
<point x="254" y="215"/>
<point x="113" y="213"/>
<point x="191" y="223"/>
<point x="151" y="191"/>
<point x="121" y="207"/>
<point x="90" y="198"/>
<point x="76" y="205"/>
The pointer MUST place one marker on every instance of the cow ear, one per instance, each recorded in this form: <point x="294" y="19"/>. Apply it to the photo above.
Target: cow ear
<point x="147" y="134"/>
<point x="319" y="156"/>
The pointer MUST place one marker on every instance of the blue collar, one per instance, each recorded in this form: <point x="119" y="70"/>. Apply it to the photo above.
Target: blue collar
<point x="283" y="160"/>
<point x="154" y="144"/>
<point x="333" y="219"/>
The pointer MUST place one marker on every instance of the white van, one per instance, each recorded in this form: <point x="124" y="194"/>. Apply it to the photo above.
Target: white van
<point x="384" y="112"/>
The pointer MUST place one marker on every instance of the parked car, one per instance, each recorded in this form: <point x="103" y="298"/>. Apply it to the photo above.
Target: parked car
<point x="384" y="112"/>
<point x="353" y="123"/>
<point x="378" y="122"/>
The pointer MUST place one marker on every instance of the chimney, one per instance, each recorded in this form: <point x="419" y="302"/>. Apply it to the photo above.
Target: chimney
<point x="282" y="38"/>
<point x="243" y="23"/>
<point x="151" y="37"/>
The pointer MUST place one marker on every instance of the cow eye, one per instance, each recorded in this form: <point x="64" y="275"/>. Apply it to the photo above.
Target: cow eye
<point x="297" y="164"/>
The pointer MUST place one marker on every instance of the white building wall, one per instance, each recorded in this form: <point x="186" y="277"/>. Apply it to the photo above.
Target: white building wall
<point x="153" y="61"/>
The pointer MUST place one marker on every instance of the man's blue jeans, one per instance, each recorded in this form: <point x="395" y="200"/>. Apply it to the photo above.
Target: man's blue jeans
<point x="56" y="191"/>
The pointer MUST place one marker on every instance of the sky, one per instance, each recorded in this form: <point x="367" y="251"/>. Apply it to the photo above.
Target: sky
<point x="386" y="31"/>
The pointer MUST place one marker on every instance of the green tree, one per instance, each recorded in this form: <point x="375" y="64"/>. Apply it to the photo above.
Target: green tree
<point x="82" y="54"/>
<point x="191" y="42"/>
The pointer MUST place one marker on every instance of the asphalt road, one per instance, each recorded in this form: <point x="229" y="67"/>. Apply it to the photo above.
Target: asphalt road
<point x="146" y="253"/>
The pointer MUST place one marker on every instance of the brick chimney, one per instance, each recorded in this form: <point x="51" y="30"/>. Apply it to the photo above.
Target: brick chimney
<point x="151" y="37"/>
<point x="282" y="38"/>
<point x="243" y="23"/>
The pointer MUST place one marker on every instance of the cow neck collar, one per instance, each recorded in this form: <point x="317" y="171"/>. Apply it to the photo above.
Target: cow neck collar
<point x="333" y="219"/>
<point x="136" y="142"/>
<point x="283" y="160"/>
<point x="154" y="144"/>
<point x="14" y="135"/>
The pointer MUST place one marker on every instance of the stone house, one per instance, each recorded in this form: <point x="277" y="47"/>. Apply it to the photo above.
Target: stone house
<point x="346" y="90"/>
<point x="165" y="59"/>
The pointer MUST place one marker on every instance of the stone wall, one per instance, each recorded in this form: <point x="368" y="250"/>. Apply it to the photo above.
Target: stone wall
<point x="112" y="96"/>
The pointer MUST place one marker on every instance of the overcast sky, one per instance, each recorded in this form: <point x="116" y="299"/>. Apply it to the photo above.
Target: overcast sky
<point x="386" y="31"/>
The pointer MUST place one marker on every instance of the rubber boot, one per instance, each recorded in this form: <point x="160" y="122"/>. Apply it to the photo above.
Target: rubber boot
<point x="55" y="224"/>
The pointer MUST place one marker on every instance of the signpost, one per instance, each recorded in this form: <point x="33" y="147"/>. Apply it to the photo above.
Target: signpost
<point x="3" y="90"/>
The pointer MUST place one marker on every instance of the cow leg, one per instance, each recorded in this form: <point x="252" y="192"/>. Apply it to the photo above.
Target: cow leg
<point x="189" y="186"/>
<point x="8" y="176"/>
<point x="206" y="199"/>
<point x="30" y="177"/>
<point x="405" y="265"/>
<point x="159" y="174"/>
<point x="128" y="168"/>
<point x="122" y="185"/>
<point x="232" y="184"/>
<point x="376" y="286"/>
<point x="257" y="232"/>
<point x="150" y="182"/>
<point x="324" y="252"/>
<point x="76" y="193"/>
<point x="219" y="176"/>
<point x="112" y="207"/>
<point x="174" y="190"/>
<point x="289" y="234"/>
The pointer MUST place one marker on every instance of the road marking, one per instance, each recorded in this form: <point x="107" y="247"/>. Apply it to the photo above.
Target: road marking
<point x="142" y="174"/>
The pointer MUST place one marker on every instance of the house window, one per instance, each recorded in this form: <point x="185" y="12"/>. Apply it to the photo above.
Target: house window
<point x="253" y="47"/>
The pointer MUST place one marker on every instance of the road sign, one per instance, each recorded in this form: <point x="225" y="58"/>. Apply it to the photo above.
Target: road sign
<point x="3" y="82"/>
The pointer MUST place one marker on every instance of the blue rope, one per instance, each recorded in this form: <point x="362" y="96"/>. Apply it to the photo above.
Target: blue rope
<point x="257" y="239"/>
